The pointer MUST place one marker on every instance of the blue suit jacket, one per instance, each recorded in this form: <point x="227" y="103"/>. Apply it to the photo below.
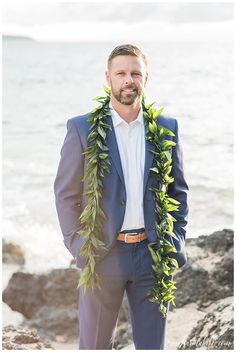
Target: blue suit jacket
<point x="69" y="189"/>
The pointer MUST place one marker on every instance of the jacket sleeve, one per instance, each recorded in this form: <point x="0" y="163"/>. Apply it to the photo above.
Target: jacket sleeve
<point x="179" y="188"/>
<point x="68" y="189"/>
<point x="179" y="191"/>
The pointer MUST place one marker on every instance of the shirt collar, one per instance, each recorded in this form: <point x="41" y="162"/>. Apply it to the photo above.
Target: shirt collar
<point x="117" y="120"/>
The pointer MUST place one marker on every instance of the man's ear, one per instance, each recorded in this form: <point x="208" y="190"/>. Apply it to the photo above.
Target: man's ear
<point x="108" y="78"/>
<point x="146" y="78"/>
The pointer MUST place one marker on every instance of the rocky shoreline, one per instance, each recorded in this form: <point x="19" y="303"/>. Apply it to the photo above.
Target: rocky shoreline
<point x="203" y="318"/>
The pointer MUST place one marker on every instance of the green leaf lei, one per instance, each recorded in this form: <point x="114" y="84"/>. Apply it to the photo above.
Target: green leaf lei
<point x="97" y="156"/>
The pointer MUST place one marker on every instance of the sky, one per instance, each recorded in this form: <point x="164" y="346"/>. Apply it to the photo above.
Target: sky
<point x="104" y="21"/>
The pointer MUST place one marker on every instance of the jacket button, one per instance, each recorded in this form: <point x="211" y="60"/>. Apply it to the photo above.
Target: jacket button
<point x="122" y="202"/>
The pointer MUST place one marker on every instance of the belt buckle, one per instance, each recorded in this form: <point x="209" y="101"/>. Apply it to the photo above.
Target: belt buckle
<point x="126" y="234"/>
<point x="132" y="233"/>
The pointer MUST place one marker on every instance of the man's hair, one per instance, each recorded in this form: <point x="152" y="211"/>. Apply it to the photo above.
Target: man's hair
<point x="127" y="50"/>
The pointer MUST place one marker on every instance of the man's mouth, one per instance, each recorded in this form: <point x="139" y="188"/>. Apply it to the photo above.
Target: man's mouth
<point x="128" y="90"/>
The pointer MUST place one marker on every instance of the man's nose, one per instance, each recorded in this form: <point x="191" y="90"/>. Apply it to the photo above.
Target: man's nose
<point x="128" y="79"/>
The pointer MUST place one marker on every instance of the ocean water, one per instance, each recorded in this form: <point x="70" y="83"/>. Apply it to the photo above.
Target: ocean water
<point x="44" y="84"/>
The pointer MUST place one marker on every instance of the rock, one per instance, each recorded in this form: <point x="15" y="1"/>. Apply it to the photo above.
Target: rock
<point x="223" y="273"/>
<point x="208" y="275"/>
<point x="218" y="242"/>
<point x="49" y="301"/>
<point x="12" y="253"/>
<point x="123" y="336"/>
<point x="27" y="293"/>
<point x="60" y="288"/>
<point x="214" y="332"/>
<point x="192" y="281"/>
<point x="24" y="293"/>
<point x="17" y="338"/>
<point x="58" y="317"/>
<point x="56" y="323"/>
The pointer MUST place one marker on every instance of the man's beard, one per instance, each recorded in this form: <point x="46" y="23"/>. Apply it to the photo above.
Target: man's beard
<point x="127" y="98"/>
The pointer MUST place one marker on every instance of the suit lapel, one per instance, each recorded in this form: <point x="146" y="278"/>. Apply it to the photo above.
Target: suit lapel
<point x="148" y="159"/>
<point x="113" y="149"/>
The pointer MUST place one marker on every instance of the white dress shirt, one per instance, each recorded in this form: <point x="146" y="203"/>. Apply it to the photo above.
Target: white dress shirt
<point x="131" y="144"/>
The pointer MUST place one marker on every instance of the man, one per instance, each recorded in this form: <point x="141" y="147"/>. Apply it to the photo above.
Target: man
<point x="129" y="207"/>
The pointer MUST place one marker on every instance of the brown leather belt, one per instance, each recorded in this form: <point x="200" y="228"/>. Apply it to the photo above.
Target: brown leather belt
<point x="129" y="238"/>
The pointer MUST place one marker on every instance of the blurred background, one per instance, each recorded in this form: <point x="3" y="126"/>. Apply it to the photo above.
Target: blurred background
<point x="54" y="58"/>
